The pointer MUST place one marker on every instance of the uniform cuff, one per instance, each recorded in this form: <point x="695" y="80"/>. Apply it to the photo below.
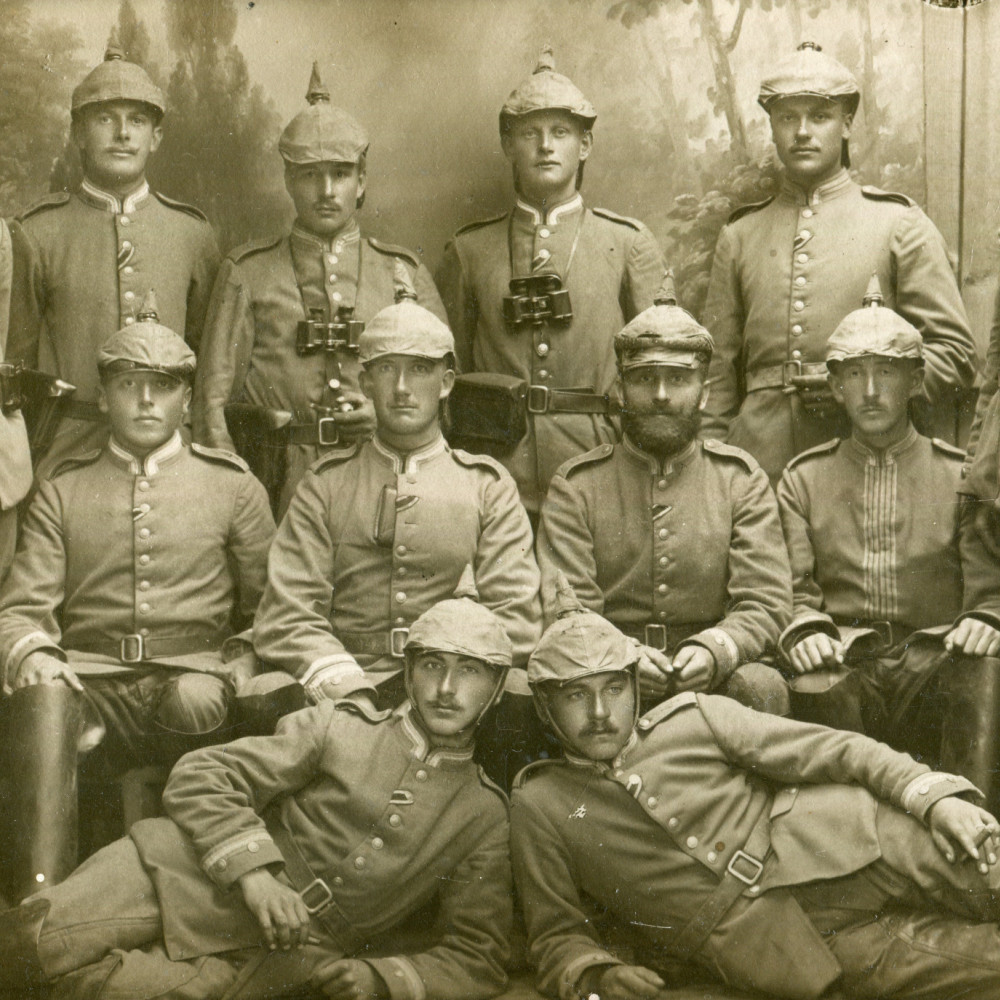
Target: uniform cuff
<point x="27" y="645"/>
<point x="340" y="672"/>
<point x="400" y="977"/>
<point x="980" y="615"/>
<point x="923" y="792"/>
<point x="723" y="648"/>
<point x="574" y="972"/>
<point x="226" y="862"/>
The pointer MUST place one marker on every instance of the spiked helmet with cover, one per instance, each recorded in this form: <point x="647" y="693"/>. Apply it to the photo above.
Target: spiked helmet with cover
<point x="117" y="79"/>
<point x="546" y="90"/>
<point x="322" y="133"/>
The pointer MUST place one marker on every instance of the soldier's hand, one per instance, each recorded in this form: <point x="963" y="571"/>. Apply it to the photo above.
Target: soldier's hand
<point x="954" y="822"/>
<point x="818" y="651"/>
<point x="40" y="667"/>
<point x="349" y="979"/>
<point x="629" y="982"/>
<point x="694" y="668"/>
<point x="973" y="638"/>
<point x="357" y="422"/>
<point x="279" y="909"/>
<point x="656" y="672"/>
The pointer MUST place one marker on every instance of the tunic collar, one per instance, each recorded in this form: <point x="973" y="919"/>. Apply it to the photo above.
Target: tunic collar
<point x="97" y="198"/>
<point x="149" y="466"/>
<point x="412" y="462"/>
<point x="554" y="215"/>
<point x="421" y="748"/>
<point x="679" y="460"/>
<point x="351" y="233"/>
<point x="867" y="454"/>
<point x="837" y="185"/>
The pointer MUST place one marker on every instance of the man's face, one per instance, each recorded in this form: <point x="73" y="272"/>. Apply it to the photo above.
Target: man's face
<point x="594" y="714"/>
<point x="406" y="392"/>
<point x="808" y="133"/>
<point x="662" y="406"/>
<point x="546" y="149"/>
<point x="143" y="408"/>
<point x="875" y="391"/>
<point x="450" y="692"/>
<point x="115" y="140"/>
<point x="325" y="194"/>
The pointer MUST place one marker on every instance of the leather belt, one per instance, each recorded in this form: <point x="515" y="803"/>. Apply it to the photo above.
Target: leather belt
<point x="77" y="409"/>
<point x="891" y="633"/>
<point x="662" y="636"/>
<point x="388" y="643"/>
<point x="777" y="376"/>
<point x="137" y="648"/>
<point x="323" y="432"/>
<point x="542" y="399"/>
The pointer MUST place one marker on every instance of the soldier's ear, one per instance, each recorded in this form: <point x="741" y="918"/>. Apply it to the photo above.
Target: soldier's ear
<point x="102" y="397"/>
<point x="703" y="398"/>
<point x="586" y="144"/>
<point x="156" y="138"/>
<point x="507" y="145"/>
<point x="917" y="385"/>
<point x="834" y="383"/>
<point x="447" y="383"/>
<point x="845" y="132"/>
<point x="188" y="394"/>
<point x="365" y="382"/>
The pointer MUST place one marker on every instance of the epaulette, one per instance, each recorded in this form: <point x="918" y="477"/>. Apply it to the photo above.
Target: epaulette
<point x="365" y="709"/>
<point x="181" y="206"/>
<point x="599" y="454"/>
<point x="220" y="455"/>
<point x="469" y="226"/>
<point x="730" y="451"/>
<point x="335" y="457"/>
<point x="75" y="462"/>
<point x="948" y="449"/>
<point x="394" y="251"/>
<point x="489" y="783"/>
<point x="472" y="461"/>
<point x="530" y="770"/>
<point x="622" y="220"/>
<point x="665" y="709"/>
<point x="53" y="200"/>
<point x="821" y="449"/>
<point x="254" y="246"/>
<point x="754" y="206"/>
<point x="877" y="194"/>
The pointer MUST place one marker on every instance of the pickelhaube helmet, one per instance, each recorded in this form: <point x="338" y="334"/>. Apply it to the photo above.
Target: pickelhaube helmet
<point x="322" y="133"/>
<point x="874" y="330"/>
<point x="663" y="334"/>
<point x="146" y="346"/>
<point x="547" y="90"/>
<point x="810" y="72"/>
<point x="405" y="328"/>
<point x="117" y="79"/>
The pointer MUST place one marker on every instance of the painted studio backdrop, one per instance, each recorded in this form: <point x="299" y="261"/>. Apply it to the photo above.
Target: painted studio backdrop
<point x="679" y="139"/>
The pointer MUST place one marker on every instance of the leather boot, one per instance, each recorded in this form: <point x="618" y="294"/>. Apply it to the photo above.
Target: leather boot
<point x="830" y="698"/>
<point x="41" y="728"/>
<point x="19" y="931"/>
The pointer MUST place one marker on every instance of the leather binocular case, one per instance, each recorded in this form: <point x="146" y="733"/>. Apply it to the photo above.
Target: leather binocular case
<point x="537" y="299"/>
<point x="315" y="334"/>
<point x="40" y="397"/>
<point x="261" y="437"/>
<point x="488" y="412"/>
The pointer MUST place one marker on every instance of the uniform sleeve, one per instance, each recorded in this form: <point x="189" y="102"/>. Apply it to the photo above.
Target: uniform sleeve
<point x="561" y="940"/>
<point x="472" y="931"/>
<point x="250" y="538"/>
<point x="984" y="438"/>
<point x="991" y="381"/>
<point x="724" y="319"/>
<point x="292" y="629"/>
<point x="644" y="269"/>
<point x="223" y="357"/>
<point x="566" y="544"/>
<point x="216" y="795"/>
<point x="460" y="304"/>
<point x="27" y="299"/>
<point x="427" y="293"/>
<point x="204" y="269"/>
<point x="34" y="590"/>
<point x="979" y="559"/>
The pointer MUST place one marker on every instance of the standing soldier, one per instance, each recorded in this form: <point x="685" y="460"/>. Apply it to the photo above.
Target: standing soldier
<point x="535" y="296"/>
<point x="84" y="262"/>
<point x="788" y="269"/>
<point x="286" y="313"/>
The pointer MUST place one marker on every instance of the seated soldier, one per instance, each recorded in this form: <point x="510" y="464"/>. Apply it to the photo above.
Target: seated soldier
<point x="133" y="563"/>
<point x="676" y="541"/>
<point x="896" y="600"/>
<point x="782" y="857"/>
<point x="377" y="533"/>
<point x="336" y="830"/>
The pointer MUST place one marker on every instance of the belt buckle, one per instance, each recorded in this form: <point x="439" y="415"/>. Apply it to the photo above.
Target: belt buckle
<point x="656" y="636"/>
<point x="321" y="426"/>
<point x="536" y="393"/>
<point x="883" y="629"/>
<point x="326" y="897"/>
<point x="397" y="640"/>
<point x="795" y="368"/>
<point x="132" y="648"/>
<point x="742" y="855"/>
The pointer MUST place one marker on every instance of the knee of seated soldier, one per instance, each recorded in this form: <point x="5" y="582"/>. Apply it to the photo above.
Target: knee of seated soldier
<point x="194" y="703"/>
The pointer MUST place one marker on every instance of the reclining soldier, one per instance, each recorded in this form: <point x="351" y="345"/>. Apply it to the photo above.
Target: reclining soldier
<point x="291" y="860"/>
<point x="135" y="564"/>
<point x="782" y="857"/>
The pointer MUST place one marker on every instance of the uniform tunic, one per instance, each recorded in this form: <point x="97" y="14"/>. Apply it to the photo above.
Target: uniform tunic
<point x="388" y="822"/>
<point x="83" y="265"/>
<point x="439" y="510"/>
<point x="694" y="546"/>
<point x="248" y="352"/>
<point x="983" y="458"/>
<point x="650" y="835"/>
<point x="164" y="549"/>
<point x="612" y="268"/>
<point x="787" y="272"/>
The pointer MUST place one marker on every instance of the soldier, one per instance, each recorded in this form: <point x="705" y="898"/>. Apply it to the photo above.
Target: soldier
<point x="787" y="270"/>
<point x="536" y="295"/>
<point x="134" y="561"/>
<point x="377" y="533"/>
<point x="892" y="585"/>
<point x="286" y="313"/>
<point x="782" y="857"/>
<point x="336" y="830"/>
<point x="675" y="541"/>
<point x="83" y="263"/>
<point x="983" y="455"/>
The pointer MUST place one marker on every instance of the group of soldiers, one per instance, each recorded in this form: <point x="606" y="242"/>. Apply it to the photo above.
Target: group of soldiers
<point x="699" y="596"/>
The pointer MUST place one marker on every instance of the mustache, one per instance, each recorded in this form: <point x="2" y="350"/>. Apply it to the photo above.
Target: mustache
<point x="599" y="729"/>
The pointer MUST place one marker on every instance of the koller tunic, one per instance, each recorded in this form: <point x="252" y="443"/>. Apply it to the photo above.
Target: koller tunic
<point x="612" y="268"/>
<point x="83" y="264"/>
<point x="787" y="272"/>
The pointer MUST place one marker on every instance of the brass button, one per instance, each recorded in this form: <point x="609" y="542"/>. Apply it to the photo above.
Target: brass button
<point x="712" y="857"/>
<point x="662" y="533"/>
<point x="663" y="560"/>
<point x="124" y="220"/>
<point x="334" y="383"/>
<point x="541" y="350"/>
<point x="395" y="820"/>
<point x="400" y="571"/>
<point x="144" y="533"/>
<point x="800" y="280"/>
<point x="804" y="234"/>
<point x="378" y="843"/>
<point x="401" y="550"/>
<point x="253" y="847"/>
<point x="336" y="296"/>
<point x="652" y="800"/>
<point x="331" y="258"/>
<point x="673" y="823"/>
<point x="129" y="320"/>
<point x="144" y="585"/>
<point x="692" y="842"/>
<point x="143" y="485"/>
<point x="144" y="608"/>
<point x="221" y="865"/>
<point x="421" y="775"/>
<point x="333" y="278"/>
<point x="543" y="374"/>
<point x="126" y="245"/>
<point x="401" y="597"/>
<point x="807" y="213"/>
<point x="662" y="588"/>
<point x="144" y="632"/>
<point x="544" y="233"/>
<point x="129" y="296"/>
<point x="798" y="305"/>
<point x="802" y="258"/>
<point x="662" y="484"/>
<point x="128" y="269"/>
<point x="796" y="355"/>
<point x="337" y="880"/>
<point x="359" y="863"/>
